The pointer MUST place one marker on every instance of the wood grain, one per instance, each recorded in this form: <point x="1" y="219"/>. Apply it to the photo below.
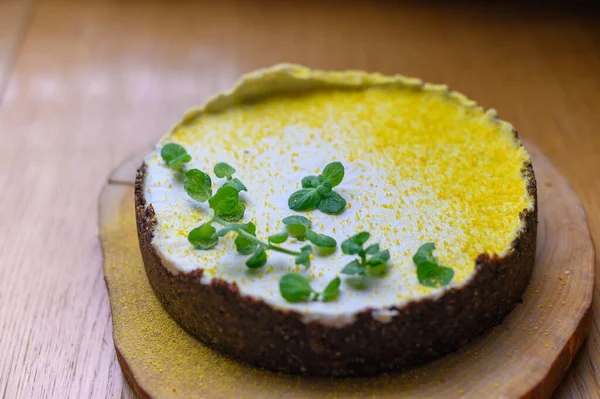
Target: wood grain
<point x="14" y="18"/>
<point x="539" y="338"/>
<point x="95" y="81"/>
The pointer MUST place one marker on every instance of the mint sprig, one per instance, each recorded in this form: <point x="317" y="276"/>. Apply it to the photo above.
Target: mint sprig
<point x="370" y="259"/>
<point x="296" y="288"/>
<point x="303" y="258"/>
<point x="223" y="169"/>
<point x="174" y="155"/>
<point x="207" y="237"/>
<point x="299" y="227"/>
<point x="317" y="192"/>
<point x="227" y="210"/>
<point x="429" y="272"/>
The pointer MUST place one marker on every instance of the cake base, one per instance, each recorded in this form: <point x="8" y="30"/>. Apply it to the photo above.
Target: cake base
<point x="525" y="356"/>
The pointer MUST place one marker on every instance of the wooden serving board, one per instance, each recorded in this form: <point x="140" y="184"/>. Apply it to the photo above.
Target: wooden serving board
<point x="526" y="356"/>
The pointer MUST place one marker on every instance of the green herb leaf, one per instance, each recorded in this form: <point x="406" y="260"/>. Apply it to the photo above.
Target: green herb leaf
<point x="231" y="227"/>
<point x="332" y="203"/>
<point x="197" y="184"/>
<point x="324" y="188"/>
<point x="311" y="181"/>
<point x="304" y="257"/>
<point x="242" y="244"/>
<point x="304" y="200"/>
<point x="316" y="191"/>
<point x="332" y="290"/>
<point x="354" y="267"/>
<point x="235" y="183"/>
<point x="333" y="173"/>
<point x="224" y="170"/>
<point x="202" y="237"/>
<point x="353" y="245"/>
<point x="320" y="240"/>
<point x="258" y="258"/>
<point x="424" y="253"/>
<point x="174" y="155"/>
<point x="278" y="238"/>
<point x="297" y="219"/>
<point x="237" y="213"/>
<point x="379" y="258"/>
<point x="429" y="272"/>
<point x="378" y="269"/>
<point x="295" y="288"/>
<point x="297" y="225"/>
<point x="224" y="201"/>
<point x="371" y="249"/>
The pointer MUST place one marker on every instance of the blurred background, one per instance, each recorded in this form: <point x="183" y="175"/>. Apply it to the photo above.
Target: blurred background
<point x="86" y="83"/>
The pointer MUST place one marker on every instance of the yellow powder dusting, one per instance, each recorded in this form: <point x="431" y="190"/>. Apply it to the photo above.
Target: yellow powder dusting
<point x="468" y="162"/>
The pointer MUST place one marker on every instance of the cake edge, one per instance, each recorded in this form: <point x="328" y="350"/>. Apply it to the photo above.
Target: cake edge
<point x="278" y="339"/>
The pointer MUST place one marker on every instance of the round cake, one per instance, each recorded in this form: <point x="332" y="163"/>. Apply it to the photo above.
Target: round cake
<point x="337" y="223"/>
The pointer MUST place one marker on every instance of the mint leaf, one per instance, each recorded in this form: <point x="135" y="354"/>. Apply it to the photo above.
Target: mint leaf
<point x="320" y="240"/>
<point x="370" y="260"/>
<point x="304" y="257"/>
<point x="332" y="203"/>
<point x="371" y="249"/>
<point x="174" y="155"/>
<point x="244" y="245"/>
<point x="333" y="173"/>
<point x="235" y="183"/>
<point x="311" y="181"/>
<point x="295" y="288"/>
<point x="224" y="201"/>
<point x="332" y="290"/>
<point x="379" y="257"/>
<point x="378" y="269"/>
<point x="237" y="213"/>
<point x="297" y="219"/>
<point x="424" y="253"/>
<point x="353" y="245"/>
<point x="429" y="272"/>
<point x="197" y="184"/>
<point x="278" y="238"/>
<point x="304" y="200"/>
<point x="354" y="267"/>
<point x="296" y="225"/>
<point x="224" y="170"/>
<point x="258" y="259"/>
<point x="324" y="188"/>
<point x="317" y="191"/>
<point x="202" y="237"/>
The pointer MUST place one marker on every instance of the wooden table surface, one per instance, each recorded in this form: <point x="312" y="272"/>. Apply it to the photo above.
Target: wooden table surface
<point x="84" y="84"/>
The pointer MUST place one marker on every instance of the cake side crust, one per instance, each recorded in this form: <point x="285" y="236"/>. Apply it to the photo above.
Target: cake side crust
<point x="253" y="331"/>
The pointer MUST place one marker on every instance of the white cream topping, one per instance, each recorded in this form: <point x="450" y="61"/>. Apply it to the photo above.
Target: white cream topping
<point x="272" y="170"/>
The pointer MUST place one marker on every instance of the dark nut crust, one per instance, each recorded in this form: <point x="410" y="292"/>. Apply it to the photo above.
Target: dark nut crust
<point x="250" y="330"/>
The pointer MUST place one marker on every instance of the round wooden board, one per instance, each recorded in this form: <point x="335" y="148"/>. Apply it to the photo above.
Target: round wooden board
<point x="525" y="356"/>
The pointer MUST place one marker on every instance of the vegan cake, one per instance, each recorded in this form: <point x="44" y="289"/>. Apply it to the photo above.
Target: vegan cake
<point x="337" y="223"/>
